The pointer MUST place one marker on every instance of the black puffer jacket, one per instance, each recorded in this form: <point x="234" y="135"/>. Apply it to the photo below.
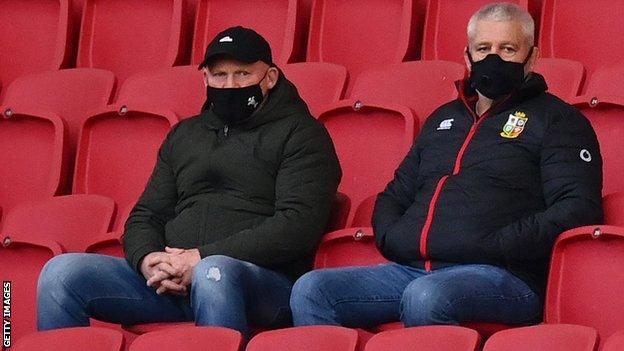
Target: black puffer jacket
<point x="497" y="189"/>
<point x="260" y="191"/>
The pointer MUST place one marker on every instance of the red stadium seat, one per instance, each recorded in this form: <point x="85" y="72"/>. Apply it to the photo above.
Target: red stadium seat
<point x="189" y="338"/>
<point x="613" y="205"/>
<point x="117" y="153"/>
<point x="428" y="338"/>
<point x="365" y="131"/>
<point x="34" y="37"/>
<point x="179" y="89"/>
<point x="361" y="34"/>
<point x="445" y="28"/>
<point x="564" y="77"/>
<point x="421" y="85"/>
<point x="348" y="247"/>
<point x="588" y="25"/>
<point x="607" y="81"/>
<point x="551" y="337"/>
<point x="70" y="93"/>
<point x="72" y="339"/>
<point x="318" y="83"/>
<point x="585" y="280"/>
<point x="364" y="212"/>
<point x="278" y="21"/>
<point x="615" y="342"/>
<point x="21" y="260"/>
<point x="129" y="36"/>
<point x="310" y="338"/>
<point x="73" y="221"/>
<point x="32" y="155"/>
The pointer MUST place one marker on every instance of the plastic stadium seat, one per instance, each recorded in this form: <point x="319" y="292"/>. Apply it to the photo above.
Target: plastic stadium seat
<point x="34" y="37"/>
<point x="278" y="21"/>
<point x="564" y="77"/>
<point x="117" y="153"/>
<point x="73" y="221"/>
<point x="129" y="36"/>
<point x="607" y="81"/>
<point x="189" y="339"/>
<point x="423" y="86"/>
<point x="613" y="205"/>
<point x="605" y="114"/>
<point x="615" y="342"/>
<point x="585" y="279"/>
<point x="72" y="339"/>
<point x="589" y="25"/>
<point x="363" y="215"/>
<point x="32" y="155"/>
<point x="309" y="338"/>
<point x="547" y="337"/>
<point x="21" y="260"/>
<point x="70" y="93"/>
<point x="318" y="83"/>
<point x="361" y="34"/>
<point x="445" y="28"/>
<point x="427" y="338"/>
<point x="363" y="131"/>
<point x="179" y="89"/>
<point x="348" y="247"/>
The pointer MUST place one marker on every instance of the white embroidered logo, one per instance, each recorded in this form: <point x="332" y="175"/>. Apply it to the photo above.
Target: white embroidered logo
<point x="446" y="124"/>
<point x="252" y="101"/>
<point x="585" y="155"/>
<point x="227" y="39"/>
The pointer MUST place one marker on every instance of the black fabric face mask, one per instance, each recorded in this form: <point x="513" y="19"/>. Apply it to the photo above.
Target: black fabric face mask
<point x="494" y="77"/>
<point x="233" y="105"/>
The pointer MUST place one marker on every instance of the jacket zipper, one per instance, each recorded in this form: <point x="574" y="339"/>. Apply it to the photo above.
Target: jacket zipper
<point x="226" y="129"/>
<point x="424" y="234"/>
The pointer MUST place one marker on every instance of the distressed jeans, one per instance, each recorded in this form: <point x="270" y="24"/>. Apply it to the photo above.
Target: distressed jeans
<point x="369" y="296"/>
<point x="224" y="292"/>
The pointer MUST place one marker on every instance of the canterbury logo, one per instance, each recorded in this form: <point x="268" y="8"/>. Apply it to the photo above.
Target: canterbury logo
<point x="446" y="124"/>
<point x="227" y="39"/>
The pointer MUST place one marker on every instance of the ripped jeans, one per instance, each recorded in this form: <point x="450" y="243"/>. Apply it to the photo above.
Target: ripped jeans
<point x="224" y="292"/>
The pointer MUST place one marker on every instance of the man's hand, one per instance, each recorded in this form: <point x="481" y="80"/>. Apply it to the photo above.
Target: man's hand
<point x="182" y="262"/>
<point x="157" y="270"/>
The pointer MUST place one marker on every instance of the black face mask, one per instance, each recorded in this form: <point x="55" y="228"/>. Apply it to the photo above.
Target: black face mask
<point x="233" y="105"/>
<point x="494" y="77"/>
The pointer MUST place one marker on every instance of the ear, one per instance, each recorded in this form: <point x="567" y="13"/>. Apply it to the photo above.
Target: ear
<point x="205" y="75"/>
<point x="534" y="56"/>
<point x="272" y="77"/>
<point x="466" y="60"/>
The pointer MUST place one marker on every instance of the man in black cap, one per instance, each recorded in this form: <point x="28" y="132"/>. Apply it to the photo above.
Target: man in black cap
<point x="230" y="217"/>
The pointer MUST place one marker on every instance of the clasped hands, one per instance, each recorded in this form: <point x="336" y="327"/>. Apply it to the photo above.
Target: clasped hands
<point x="170" y="271"/>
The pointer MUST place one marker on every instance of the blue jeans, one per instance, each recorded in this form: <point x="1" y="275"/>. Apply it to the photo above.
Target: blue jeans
<point x="74" y="287"/>
<point x="369" y="296"/>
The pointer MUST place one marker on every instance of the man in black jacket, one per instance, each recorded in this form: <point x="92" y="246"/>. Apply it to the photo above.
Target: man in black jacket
<point x="470" y="218"/>
<point x="230" y="217"/>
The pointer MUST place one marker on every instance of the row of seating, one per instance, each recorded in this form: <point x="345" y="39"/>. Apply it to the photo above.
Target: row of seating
<point x="551" y="337"/>
<point x="131" y="36"/>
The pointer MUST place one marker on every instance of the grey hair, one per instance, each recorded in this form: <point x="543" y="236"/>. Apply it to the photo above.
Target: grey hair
<point x="504" y="11"/>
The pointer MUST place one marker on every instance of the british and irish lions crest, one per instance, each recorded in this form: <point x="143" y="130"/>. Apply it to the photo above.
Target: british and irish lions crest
<point x="515" y="125"/>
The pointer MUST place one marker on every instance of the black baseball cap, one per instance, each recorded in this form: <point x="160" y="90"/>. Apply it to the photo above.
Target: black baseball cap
<point x="240" y="43"/>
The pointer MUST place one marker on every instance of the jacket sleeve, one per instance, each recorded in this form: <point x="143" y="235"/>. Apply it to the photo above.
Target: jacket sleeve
<point x="305" y="188"/>
<point x="145" y="228"/>
<point x="398" y="196"/>
<point x="571" y="173"/>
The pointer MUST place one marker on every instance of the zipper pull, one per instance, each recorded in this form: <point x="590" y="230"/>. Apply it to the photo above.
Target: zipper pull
<point x="226" y="129"/>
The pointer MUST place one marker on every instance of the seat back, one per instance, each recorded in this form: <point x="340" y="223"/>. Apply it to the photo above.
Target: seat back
<point x="615" y="342"/>
<point x="445" y="28"/>
<point x="337" y="30"/>
<point x="117" y="153"/>
<point x="574" y="21"/>
<point x="318" y="83"/>
<point x="34" y="37"/>
<point x="563" y="77"/>
<point x="72" y="221"/>
<point x="190" y="338"/>
<point x="278" y="21"/>
<point x="427" y="338"/>
<point x="32" y="155"/>
<point x="585" y="280"/>
<point x="552" y="337"/>
<point x="420" y="85"/>
<point x="72" y="339"/>
<point x="309" y="338"/>
<point x="179" y="89"/>
<point x="613" y="205"/>
<point x="130" y="36"/>
<point x="348" y="247"/>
